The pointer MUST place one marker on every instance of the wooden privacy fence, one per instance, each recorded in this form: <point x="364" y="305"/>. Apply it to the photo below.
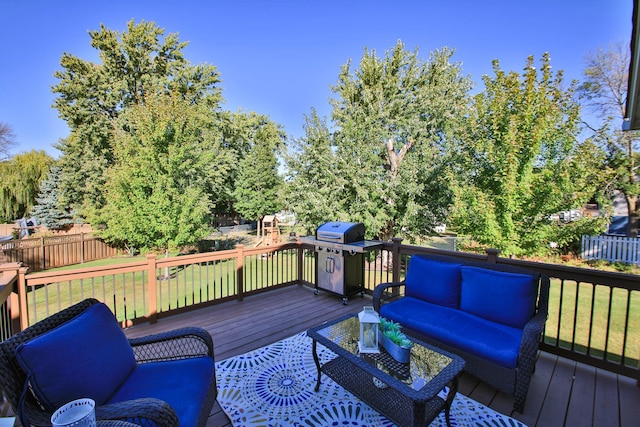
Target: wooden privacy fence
<point x="48" y="252"/>
<point x="611" y="248"/>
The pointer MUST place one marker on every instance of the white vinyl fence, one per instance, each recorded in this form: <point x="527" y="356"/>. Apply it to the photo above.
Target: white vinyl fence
<point x="611" y="248"/>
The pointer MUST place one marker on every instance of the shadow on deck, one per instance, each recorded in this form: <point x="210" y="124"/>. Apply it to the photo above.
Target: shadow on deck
<point x="562" y="392"/>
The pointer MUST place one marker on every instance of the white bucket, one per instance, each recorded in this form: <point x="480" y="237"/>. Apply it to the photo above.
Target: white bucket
<point x="78" y="413"/>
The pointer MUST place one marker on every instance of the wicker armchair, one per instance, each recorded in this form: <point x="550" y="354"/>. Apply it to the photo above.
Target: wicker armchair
<point x="187" y="344"/>
<point x="512" y="381"/>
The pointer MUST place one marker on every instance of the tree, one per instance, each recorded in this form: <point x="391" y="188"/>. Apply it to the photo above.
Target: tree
<point x="20" y="179"/>
<point x="604" y="93"/>
<point x="91" y="96"/>
<point x="47" y="209"/>
<point x="7" y="141"/>
<point x="520" y="162"/>
<point x="258" y="182"/>
<point x="394" y="118"/>
<point x="167" y="156"/>
<point x="313" y="187"/>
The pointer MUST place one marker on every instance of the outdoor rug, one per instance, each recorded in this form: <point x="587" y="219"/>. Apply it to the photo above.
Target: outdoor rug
<point x="273" y="386"/>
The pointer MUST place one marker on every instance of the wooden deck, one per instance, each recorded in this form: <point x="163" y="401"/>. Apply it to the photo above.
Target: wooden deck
<point x="562" y="392"/>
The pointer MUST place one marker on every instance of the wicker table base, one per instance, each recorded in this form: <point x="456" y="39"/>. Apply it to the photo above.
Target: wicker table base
<point x="409" y="392"/>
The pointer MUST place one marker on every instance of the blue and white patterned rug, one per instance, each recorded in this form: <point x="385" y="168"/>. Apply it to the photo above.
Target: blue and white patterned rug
<point x="273" y="386"/>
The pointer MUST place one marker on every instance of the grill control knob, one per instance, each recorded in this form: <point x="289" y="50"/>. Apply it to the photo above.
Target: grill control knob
<point x="328" y="249"/>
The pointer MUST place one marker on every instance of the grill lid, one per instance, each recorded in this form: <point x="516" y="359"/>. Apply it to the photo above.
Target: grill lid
<point x="340" y="232"/>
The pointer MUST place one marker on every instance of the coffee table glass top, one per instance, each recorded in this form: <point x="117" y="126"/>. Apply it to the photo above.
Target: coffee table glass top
<point x="424" y="365"/>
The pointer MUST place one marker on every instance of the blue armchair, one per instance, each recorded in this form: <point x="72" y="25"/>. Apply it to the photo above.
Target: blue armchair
<point x="160" y="380"/>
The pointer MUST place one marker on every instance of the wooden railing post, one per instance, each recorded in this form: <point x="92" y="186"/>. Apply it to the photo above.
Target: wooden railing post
<point x="395" y="258"/>
<point x="300" y="262"/>
<point x="240" y="271"/>
<point x="81" y="248"/>
<point x="8" y="282"/>
<point x="492" y="255"/>
<point x="22" y="298"/>
<point x="152" y="287"/>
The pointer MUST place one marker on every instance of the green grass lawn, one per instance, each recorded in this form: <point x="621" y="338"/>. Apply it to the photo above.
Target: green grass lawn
<point x="585" y="322"/>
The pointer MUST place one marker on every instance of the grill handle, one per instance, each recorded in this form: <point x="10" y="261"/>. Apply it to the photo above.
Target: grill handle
<point x="329" y="237"/>
<point x="330" y="265"/>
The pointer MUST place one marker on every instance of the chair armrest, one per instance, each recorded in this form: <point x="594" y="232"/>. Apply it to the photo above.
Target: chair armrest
<point x="379" y="291"/>
<point x="531" y="335"/>
<point x="142" y="412"/>
<point x="176" y="344"/>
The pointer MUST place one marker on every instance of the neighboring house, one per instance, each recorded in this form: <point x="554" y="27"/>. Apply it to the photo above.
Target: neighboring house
<point x="620" y="217"/>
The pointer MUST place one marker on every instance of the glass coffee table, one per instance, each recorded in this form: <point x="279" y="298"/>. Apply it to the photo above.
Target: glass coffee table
<point x="405" y="393"/>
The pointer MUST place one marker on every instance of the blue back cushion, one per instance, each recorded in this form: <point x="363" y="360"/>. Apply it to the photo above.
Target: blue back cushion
<point x="88" y="356"/>
<point x="507" y="298"/>
<point x="437" y="282"/>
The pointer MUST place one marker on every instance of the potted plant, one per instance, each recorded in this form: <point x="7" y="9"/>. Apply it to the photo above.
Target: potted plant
<point x="394" y="340"/>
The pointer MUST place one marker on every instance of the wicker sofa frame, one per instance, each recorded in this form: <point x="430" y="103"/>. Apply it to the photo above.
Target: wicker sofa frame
<point x="512" y="381"/>
<point x="172" y="345"/>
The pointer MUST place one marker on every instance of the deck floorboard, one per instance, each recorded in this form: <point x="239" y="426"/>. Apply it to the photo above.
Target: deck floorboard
<point x="562" y="392"/>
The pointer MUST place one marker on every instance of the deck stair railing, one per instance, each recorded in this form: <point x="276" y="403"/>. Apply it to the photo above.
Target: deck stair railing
<point x="594" y="315"/>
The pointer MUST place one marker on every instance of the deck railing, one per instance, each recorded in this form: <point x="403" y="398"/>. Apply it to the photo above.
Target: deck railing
<point x="8" y="279"/>
<point x="594" y="315"/>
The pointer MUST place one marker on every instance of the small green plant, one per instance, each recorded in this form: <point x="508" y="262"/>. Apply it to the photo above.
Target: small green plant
<point x="392" y="330"/>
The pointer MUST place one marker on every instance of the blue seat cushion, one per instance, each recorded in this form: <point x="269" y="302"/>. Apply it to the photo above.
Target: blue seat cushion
<point x="183" y="384"/>
<point x="434" y="281"/>
<point x="482" y="338"/>
<point x="507" y="298"/>
<point x="88" y="356"/>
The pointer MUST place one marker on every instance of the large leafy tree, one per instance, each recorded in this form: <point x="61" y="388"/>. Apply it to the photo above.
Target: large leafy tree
<point x="313" y="188"/>
<point x="238" y="137"/>
<point x="91" y="96"/>
<point x="521" y="162"/>
<point x="258" y="182"/>
<point x="394" y="118"/>
<point x="20" y="179"/>
<point x="167" y="159"/>
<point x="604" y="93"/>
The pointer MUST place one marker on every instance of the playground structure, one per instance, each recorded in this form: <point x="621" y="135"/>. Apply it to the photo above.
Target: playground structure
<point x="270" y="231"/>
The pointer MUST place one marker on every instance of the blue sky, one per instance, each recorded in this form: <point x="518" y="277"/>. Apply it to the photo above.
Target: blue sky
<point x="280" y="58"/>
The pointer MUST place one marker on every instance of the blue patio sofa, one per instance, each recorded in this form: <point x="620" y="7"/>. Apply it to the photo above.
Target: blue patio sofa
<point x="492" y="315"/>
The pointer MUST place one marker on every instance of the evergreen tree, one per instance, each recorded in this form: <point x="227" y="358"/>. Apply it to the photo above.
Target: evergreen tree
<point x="47" y="209"/>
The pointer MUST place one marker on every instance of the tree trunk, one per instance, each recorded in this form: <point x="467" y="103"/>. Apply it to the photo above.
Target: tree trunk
<point x="633" y="220"/>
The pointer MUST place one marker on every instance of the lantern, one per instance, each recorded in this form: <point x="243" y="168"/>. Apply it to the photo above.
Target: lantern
<point x="369" y="329"/>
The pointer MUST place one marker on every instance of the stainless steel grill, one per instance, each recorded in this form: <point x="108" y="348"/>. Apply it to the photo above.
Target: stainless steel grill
<point x="340" y="248"/>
